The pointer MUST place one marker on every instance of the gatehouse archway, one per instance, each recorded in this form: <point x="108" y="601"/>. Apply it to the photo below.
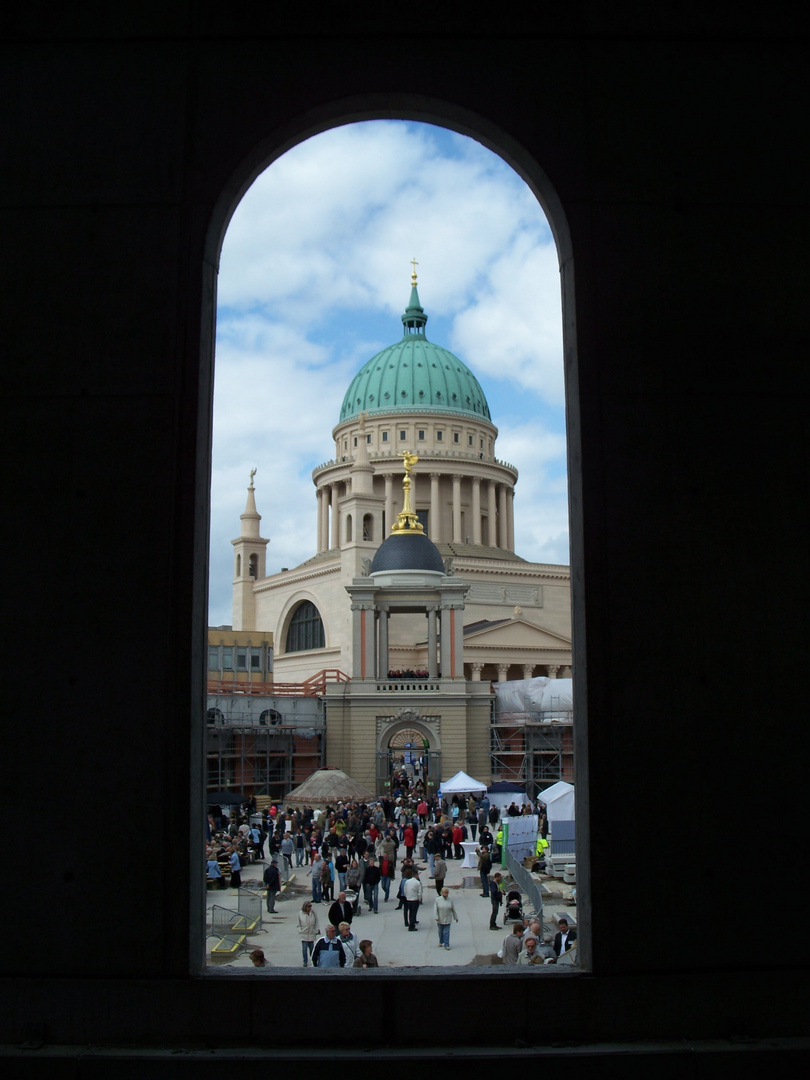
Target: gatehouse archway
<point x="408" y="759"/>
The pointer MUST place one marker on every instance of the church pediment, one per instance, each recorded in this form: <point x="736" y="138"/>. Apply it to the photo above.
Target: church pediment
<point x="512" y="633"/>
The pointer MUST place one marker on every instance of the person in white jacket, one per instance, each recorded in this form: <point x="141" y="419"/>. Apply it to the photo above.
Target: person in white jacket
<point x="445" y="911"/>
<point x="308" y="929"/>
<point x="411" y="896"/>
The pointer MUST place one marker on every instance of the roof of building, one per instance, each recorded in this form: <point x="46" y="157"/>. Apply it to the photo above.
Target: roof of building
<point x="414" y="375"/>
<point x="482" y="624"/>
<point x="407" y="551"/>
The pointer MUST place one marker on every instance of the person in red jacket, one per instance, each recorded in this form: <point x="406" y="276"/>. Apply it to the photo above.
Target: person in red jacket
<point x="459" y="834"/>
<point x="409" y="840"/>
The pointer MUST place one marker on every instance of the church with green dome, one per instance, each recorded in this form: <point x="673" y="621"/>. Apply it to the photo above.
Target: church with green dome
<point x="414" y="591"/>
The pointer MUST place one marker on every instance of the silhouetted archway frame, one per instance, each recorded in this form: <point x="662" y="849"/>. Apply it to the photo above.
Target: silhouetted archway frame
<point x="450" y="115"/>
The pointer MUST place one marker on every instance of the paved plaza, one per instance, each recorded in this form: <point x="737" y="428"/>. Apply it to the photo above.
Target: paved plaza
<point x="471" y="940"/>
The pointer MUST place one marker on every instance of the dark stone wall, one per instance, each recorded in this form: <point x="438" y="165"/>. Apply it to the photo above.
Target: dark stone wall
<point x="670" y="153"/>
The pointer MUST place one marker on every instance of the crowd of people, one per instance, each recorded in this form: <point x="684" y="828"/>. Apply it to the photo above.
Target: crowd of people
<point x="526" y="945"/>
<point x="351" y="854"/>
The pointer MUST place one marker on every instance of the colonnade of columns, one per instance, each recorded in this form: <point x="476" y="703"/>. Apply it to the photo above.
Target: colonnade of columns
<point x="503" y="671"/>
<point x="370" y="633"/>
<point x="498" y="499"/>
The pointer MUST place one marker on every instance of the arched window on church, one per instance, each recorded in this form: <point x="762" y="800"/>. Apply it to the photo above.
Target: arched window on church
<point x="368" y="527"/>
<point x="348" y="528"/>
<point x="253" y="566"/>
<point x="306" y="629"/>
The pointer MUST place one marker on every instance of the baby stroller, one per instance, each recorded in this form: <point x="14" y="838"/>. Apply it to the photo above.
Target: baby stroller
<point x="513" y="908"/>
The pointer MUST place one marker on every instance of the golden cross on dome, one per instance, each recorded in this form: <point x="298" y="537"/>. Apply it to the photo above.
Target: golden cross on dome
<point x="414" y="264"/>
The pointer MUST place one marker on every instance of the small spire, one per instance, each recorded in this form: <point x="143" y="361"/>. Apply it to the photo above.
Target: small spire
<point x="251" y="517"/>
<point x="414" y="319"/>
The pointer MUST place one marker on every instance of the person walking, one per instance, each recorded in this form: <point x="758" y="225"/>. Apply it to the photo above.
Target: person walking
<point x="272" y="880"/>
<point x="512" y="945"/>
<point x="308" y="929"/>
<point x="236" y="867"/>
<point x="445" y="911"/>
<point x="439" y="873"/>
<point x="354" y="882"/>
<point x="495" y="899"/>
<point x="328" y="951"/>
<point x="341" y="911"/>
<point x="366" y="957"/>
<point x="412" y="896"/>
<point x="432" y="848"/>
<point x="371" y="884"/>
<point x="328" y="878"/>
<point x="287" y="849"/>
<point x="342" y="867"/>
<point x="484" y="867"/>
<point x="316" y="870"/>
<point x="386" y="875"/>
<point x="348" y="943"/>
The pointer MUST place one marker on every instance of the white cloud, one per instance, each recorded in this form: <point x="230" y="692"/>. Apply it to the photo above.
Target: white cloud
<point x="513" y="327"/>
<point x="313" y="278"/>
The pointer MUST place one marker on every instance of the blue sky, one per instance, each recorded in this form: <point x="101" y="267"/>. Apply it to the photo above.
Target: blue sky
<point x="314" y="275"/>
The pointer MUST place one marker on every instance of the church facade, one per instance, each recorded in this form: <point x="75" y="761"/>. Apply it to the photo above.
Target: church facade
<point x="483" y="615"/>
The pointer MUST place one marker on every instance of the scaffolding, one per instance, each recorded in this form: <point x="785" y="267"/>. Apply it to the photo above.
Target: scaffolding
<point x="534" y="754"/>
<point x="534" y="747"/>
<point x="263" y="744"/>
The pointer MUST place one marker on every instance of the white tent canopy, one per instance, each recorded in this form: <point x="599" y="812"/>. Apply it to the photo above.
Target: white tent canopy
<point x="461" y="784"/>
<point x="559" y="800"/>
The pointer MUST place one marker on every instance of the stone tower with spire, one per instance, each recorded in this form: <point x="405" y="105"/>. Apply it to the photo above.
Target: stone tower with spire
<point x="360" y="510"/>
<point x="249" y="564"/>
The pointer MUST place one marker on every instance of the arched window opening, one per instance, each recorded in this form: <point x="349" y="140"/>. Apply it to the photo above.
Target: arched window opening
<point x="459" y="482"/>
<point x="306" y="629"/>
<point x="253" y="566"/>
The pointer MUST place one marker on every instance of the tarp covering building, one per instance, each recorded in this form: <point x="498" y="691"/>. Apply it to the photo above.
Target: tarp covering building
<point x="541" y="699"/>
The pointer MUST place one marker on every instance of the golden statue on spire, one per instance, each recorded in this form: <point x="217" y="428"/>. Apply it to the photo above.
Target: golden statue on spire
<point x="407" y="521"/>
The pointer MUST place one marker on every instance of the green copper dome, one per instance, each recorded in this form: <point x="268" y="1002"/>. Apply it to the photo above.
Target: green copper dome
<point x="414" y="376"/>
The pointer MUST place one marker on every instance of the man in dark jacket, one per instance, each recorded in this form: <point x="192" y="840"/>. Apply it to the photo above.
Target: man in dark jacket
<point x="495" y="899"/>
<point x="272" y="879"/>
<point x="564" y="938"/>
<point x="341" y="911"/>
<point x="371" y="883"/>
